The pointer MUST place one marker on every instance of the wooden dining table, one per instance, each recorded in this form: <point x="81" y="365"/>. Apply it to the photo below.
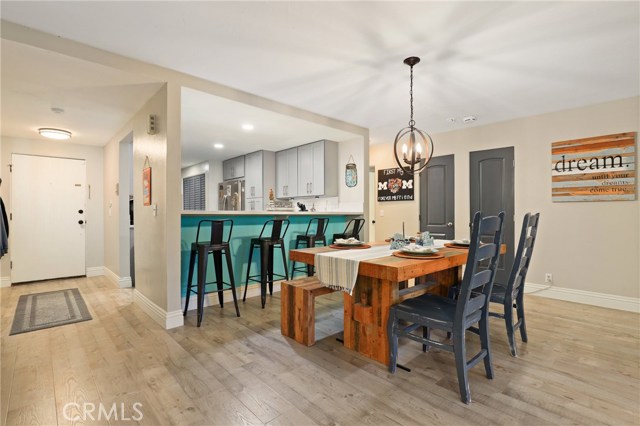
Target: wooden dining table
<point x="382" y="283"/>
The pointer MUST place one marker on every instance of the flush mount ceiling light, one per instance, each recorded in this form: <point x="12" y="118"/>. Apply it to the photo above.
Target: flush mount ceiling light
<point x="218" y="146"/>
<point x="58" y="134"/>
<point x="417" y="151"/>
<point x="247" y="127"/>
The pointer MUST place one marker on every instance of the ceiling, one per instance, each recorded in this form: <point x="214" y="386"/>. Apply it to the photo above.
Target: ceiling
<point x="494" y="60"/>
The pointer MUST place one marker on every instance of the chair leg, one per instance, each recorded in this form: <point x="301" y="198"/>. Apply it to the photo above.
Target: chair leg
<point x="232" y="281"/>
<point x="293" y="263"/>
<point x="217" y="264"/>
<point x="284" y="262"/>
<point x="270" y="269"/>
<point x="426" y="333"/>
<point x="246" y="283"/>
<point x="520" y="312"/>
<point x="392" y="333"/>
<point x="485" y="344"/>
<point x="460" y="352"/>
<point x="511" y="333"/>
<point x="264" y="261"/>
<point x="192" y="264"/>
<point x="202" y="277"/>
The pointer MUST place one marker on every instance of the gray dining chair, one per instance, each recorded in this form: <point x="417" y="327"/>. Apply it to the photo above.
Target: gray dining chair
<point x="511" y="294"/>
<point x="431" y="311"/>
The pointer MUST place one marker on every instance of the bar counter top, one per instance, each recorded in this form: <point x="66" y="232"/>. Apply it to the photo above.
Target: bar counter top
<point x="266" y="213"/>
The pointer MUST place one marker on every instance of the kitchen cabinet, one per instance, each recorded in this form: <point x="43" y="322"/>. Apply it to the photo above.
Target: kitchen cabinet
<point x="287" y="173"/>
<point x="233" y="168"/>
<point x="259" y="177"/>
<point x="255" y="204"/>
<point x="318" y="169"/>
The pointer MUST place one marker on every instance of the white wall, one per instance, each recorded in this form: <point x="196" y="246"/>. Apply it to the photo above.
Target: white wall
<point x="589" y="246"/>
<point x="94" y="215"/>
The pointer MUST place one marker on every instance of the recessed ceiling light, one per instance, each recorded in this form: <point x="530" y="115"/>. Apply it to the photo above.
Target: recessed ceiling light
<point x="247" y="127"/>
<point x="54" y="133"/>
<point x="218" y="146"/>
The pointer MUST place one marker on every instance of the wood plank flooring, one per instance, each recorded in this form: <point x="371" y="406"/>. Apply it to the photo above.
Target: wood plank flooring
<point x="580" y="367"/>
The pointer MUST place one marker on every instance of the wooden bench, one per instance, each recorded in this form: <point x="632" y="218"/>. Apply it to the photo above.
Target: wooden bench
<point x="298" y="313"/>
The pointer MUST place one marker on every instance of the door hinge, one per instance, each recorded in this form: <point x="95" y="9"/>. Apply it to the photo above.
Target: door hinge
<point x="10" y="168"/>
<point x="11" y="264"/>
<point x="10" y="216"/>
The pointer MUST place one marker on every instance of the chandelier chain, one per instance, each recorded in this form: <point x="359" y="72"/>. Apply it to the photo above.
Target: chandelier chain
<point x="411" y="122"/>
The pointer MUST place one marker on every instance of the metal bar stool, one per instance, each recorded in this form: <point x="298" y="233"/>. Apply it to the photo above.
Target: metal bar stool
<point x="310" y="238"/>
<point x="217" y="245"/>
<point x="266" y="246"/>
<point x="352" y="230"/>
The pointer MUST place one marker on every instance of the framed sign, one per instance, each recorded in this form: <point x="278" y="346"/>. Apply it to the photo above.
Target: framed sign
<point x="394" y="185"/>
<point x="146" y="186"/>
<point x="601" y="168"/>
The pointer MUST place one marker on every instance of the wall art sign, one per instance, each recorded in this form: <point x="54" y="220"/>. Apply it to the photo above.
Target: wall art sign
<point x="394" y="185"/>
<point x="601" y="168"/>
<point x="146" y="186"/>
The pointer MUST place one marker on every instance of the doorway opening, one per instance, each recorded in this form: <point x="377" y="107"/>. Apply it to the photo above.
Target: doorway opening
<point x="125" y="212"/>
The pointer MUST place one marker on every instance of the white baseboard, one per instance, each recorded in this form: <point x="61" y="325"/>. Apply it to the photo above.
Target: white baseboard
<point x="95" y="271"/>
<point x="165" y="319"/>
<point x="121" y="282"/>
<point x="5" y="282"/>
<point x="212" y="298"/>
<point x="611" y="301"/>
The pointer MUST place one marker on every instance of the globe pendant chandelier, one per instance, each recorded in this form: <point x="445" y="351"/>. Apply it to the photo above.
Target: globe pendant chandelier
<point x="412" y="147"/>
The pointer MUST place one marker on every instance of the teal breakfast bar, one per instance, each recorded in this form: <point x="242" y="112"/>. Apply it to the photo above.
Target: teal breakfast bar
<point x="247" y="225"/>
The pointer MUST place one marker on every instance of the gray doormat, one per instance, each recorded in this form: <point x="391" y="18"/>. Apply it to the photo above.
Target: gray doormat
<point x="49" y="309"/>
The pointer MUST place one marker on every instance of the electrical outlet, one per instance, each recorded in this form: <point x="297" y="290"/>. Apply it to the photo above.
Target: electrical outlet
<point x="548" y="278"/>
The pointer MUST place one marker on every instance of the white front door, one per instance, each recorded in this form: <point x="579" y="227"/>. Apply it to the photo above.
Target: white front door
<point x="48" y="218"/>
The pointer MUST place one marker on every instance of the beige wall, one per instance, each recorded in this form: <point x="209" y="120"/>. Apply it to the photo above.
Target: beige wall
<point x="94" y="216"/>
<point x="590" y="246"/>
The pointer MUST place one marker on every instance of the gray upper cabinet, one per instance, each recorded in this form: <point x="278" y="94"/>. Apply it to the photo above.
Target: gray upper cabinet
<point x="259" y="174"/>
<point x="318" y="169"/>
<point x="287" y="173"/>
<point x="233" y="168"/>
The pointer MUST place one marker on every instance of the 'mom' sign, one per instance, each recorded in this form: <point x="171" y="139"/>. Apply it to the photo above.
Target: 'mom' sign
<point x="602" y="168"/>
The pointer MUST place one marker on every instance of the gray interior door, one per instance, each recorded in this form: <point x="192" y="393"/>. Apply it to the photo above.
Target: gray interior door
<point x="491" y="184"/>
<point x="437" y="205"/>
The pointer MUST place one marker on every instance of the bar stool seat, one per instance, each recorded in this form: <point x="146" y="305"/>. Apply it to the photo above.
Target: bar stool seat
<point x="314" y="234"/>
<point x="217" y="246"/>
<point x="266" y="246"/>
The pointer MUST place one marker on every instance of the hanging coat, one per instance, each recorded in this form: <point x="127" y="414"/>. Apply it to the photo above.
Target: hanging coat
<point x="4" y="231"/>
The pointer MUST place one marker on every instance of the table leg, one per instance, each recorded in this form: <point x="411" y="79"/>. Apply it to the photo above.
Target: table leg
<point x="366" y="312"/>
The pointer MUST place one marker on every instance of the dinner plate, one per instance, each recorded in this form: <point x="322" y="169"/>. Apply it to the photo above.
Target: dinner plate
<point x="461" y="242"/>
<point x="418" y="250"/>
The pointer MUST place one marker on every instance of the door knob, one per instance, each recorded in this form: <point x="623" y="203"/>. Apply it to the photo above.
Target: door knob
<point x="81" y="222"/>
<point x="80" y="211"/>
<point x="450" y="224"/>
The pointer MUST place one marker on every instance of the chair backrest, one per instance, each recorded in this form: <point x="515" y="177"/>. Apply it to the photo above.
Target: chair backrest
<point x="220" y="231"/>
<point x="279" y="228"/>
<point x="470" y="301"/>
<point x="523" y="254"/>
<point x="320" y="223"/>
<point x="353" y="228"/>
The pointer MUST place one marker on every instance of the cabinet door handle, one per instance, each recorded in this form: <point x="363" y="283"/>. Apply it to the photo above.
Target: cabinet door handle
<point x="311" y="186"/>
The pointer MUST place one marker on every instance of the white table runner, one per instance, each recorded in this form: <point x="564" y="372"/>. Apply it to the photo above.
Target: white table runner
<point x="339" y="269"/>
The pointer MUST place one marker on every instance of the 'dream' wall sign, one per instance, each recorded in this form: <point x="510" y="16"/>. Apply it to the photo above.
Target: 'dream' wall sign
<point x="394" y="185"/>
<point x="601" y="168"/>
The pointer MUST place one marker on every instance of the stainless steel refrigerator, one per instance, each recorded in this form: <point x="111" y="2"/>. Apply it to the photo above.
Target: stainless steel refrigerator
<point x="231" y="195"/>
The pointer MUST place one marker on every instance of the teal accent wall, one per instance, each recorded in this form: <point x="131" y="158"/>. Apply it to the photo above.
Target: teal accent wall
<point x="245" y="228"/>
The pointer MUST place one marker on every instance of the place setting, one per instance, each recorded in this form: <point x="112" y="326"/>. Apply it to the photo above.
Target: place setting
<point x="415" y="251"/>
<point x="459" y="244"/>
<point x="348" y="244"/>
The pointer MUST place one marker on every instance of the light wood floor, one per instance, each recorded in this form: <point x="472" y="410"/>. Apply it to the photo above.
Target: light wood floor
<point x="581" y="366"/>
